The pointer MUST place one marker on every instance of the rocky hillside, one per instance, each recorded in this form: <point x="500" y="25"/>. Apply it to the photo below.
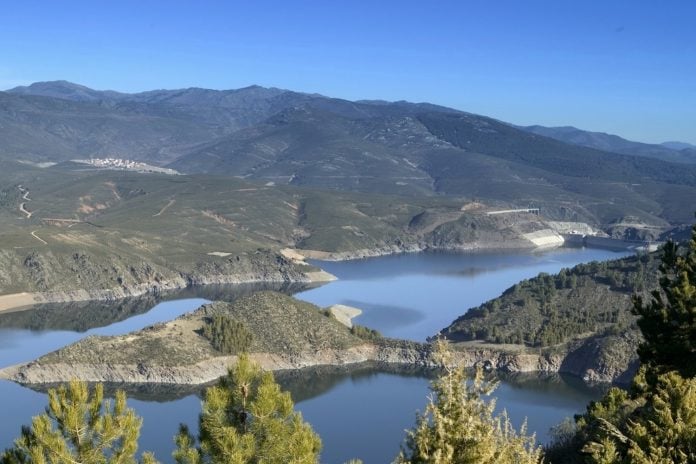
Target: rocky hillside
<point x="80" y="235"/>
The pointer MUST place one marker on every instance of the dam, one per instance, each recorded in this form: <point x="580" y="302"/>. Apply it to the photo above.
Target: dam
<point x="609" y="243"/>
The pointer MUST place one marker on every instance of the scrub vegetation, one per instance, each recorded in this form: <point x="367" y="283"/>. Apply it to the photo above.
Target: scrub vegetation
<point x="587" y="300"/>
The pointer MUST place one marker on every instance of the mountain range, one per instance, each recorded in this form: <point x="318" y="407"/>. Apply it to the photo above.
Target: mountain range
<point x="678" y="152"/>
<point x="280" y="137"/>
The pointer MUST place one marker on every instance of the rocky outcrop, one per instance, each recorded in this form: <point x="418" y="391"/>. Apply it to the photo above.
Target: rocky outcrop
<point x="209" y="370"/>
<point x="193" y="374"/>
<point x="603" y="358"/>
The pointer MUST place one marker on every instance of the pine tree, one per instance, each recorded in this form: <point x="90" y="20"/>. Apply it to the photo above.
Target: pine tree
<point x="247" y="419"/>
<point x="654" y="422"/>
<point x="668" y="321"/>
<point x="227" y="335"/>
<point x="662" y="429"/>
<point x="459" y="426"/>
<point x="80" y="427"/>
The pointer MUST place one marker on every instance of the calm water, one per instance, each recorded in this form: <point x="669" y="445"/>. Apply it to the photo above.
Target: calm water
<point x="416" y="295"/>
<point x="358" y="413"/>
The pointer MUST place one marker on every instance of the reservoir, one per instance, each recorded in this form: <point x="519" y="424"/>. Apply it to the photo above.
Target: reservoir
<point x="360" y="412"/>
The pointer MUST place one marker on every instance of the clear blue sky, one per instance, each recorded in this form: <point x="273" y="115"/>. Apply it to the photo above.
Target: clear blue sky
<point x="626" y="67"/>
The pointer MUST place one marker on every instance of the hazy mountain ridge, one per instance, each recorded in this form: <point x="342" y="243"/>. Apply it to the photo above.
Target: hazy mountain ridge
<point x="68" y="91"/>
<point x="678" y="145"/>
<point x="285" y="137"/>
<point x="677" y="152"/>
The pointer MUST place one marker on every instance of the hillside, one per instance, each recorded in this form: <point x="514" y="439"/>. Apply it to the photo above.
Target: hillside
<point x="70" y="234"/>
<point x="284" y="137"/>
<point x="419" y="153"/>
<point x="59" y="121"/>
<point x="584" y="311"/>
<point x="279" y="324"/>
<point x="283" y="333"/>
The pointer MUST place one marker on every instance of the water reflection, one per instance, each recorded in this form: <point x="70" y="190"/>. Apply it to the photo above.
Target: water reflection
<point x="31" y="333"/>
<point x="360" y="411"/>
<point x="81" y="316"/>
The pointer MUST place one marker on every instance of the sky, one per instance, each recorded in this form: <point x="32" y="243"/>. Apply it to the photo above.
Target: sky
<point x="620" y="66"/>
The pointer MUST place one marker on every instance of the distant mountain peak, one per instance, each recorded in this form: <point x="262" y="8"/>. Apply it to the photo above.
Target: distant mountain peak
<point x="674" y="145"/>
<point x="53" y="84"/>
<point x="66" y="90"/>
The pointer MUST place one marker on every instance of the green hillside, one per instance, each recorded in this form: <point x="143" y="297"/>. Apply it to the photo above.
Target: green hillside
<point x="548" y="310"/>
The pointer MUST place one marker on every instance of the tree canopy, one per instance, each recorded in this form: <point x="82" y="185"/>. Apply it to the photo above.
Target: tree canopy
<point x="79" y="426"/>
<point x="459" y="426"/>
<point x="247" y="419"/>
<point x="668" y="320"/>
<point x="654" y="421"/>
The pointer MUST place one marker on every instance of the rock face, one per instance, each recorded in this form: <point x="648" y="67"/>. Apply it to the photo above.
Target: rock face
<point x="604" y="359"/>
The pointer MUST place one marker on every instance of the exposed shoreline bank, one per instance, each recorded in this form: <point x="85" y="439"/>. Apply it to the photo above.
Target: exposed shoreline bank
<point x="389" y="352"/>
<point x="389" y="250"/>
<point x="17" y="301"/>
<point x="24" y="301"/>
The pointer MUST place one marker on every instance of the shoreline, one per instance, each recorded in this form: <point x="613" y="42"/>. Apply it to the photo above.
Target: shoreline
<point x="17" y="301"/>
<point x="390" y="352"/>
<point x="492" y="247"/>
<point x="25" y="301"/>
<point x="418" y="248"/>
<point x="344" y="314"/>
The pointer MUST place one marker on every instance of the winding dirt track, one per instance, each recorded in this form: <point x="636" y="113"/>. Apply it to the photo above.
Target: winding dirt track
<point x="33" y="234"/>
<point x="23" y="205"/>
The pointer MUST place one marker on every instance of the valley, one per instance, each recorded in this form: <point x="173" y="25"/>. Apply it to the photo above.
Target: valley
<point x="112" y="203"/>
